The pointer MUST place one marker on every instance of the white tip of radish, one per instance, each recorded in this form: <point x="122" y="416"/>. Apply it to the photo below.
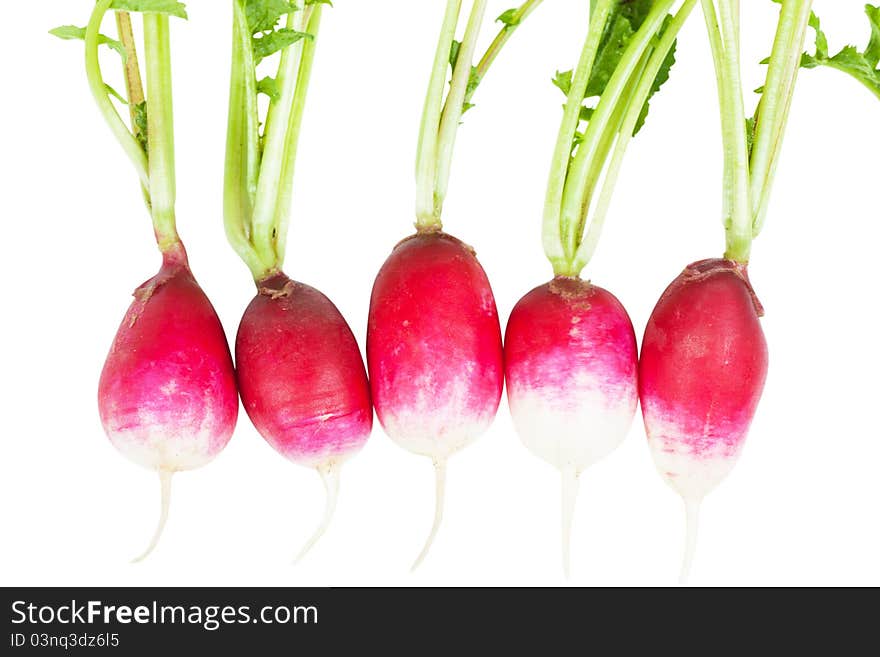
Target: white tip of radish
<point x="330" y="477"/>
<point x="165" y="487"/>
<point x="692" y="513"/>
<point x="440" y="478"/>
<point x="569" y="497"/>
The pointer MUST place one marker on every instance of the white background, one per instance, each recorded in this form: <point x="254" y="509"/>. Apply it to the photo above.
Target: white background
<point x="801" y="506"/>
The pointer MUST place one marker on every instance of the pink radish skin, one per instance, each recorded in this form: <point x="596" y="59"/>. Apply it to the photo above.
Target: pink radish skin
<point x="434" y="346"/>
<point x="167" y="394"/>
<point x="702" y="371"/>
<point x="302" y="380"/>
<point x="434" y="350"/>
<point x="571" y="360"/>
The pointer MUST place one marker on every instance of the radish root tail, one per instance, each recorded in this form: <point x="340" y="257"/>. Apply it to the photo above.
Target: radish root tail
<point x="569" y="497"/>
<point x="330" y="477"/>
<point x="440" y="478"/>
<point x="165" y="487"/>
<point x="692" y="513"/>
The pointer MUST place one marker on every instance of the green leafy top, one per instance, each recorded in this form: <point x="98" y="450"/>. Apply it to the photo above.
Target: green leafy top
<point x="862" y="65"/>
<point x="261" y="147"/>
<point x="627" y="57"/>
<point x="752" y="146"/>
<point x="619" y="32"/>
<point x="445" y="103"/>
<point x="154" y="7"/>
<point x="148" y="139"/>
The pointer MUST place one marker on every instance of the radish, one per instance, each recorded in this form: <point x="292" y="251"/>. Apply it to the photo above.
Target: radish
<point x="167" y="395"/>
<point x="704" y="356"/>
<point x="300" y="371"/>
<point x="570" y="347"/>
<point x="434" y="339"/>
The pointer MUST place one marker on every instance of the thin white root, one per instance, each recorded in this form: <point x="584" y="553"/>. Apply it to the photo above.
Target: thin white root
<point x="569" y="497"/>
<point x="330" y="476"/>
<point x="165" y="484"/>
<point x="440" y="477"/>
<point x="692" y="513"/>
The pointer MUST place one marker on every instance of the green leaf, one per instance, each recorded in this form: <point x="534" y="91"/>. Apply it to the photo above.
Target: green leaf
<point x="272" y="42"/>
<point x="872" y="52"/>
<point x="473" y="79"/>
<point x="510" y="17"/>
<point x="168" y="7"/>
<point x="862" y="65"/>
<point x="661" y="79"/>
<point x="617" y="36"/>
<point x="562" y="81"/>
<point x="453" y="52"/>
<point x="269" y="87"/>
<point x="821" y="41"/>
<point x="140" y="122"/>
<point x="263" y="15"/>
<point x="751" y="126"/>
<point x="623" y="23"/>
<point x="72" y="32"/>
<point x="635" y="11"/>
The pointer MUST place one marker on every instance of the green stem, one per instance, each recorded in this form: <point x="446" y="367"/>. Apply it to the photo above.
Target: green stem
<point x="251" y="117"/>
<point x="499" y="42"/>
<point x="282" y="218"/>
<point x="735" y="13"/>
<point x="454" y="107"/>
<point x="274" y="146"/>
<point x="634" y="110"/>
<point x="783" y="69"/>
<point x="99" y="90"/>
<point x="559" y="169"/>
<point x="442" y="113"/>
<point x="134" y="88"/>
<point x="577" y="185"/>
<point x="160" y="128"/>
<point x="739" y="231"/>
<point x="600" y="159"/>
<point x="242" y="147"/>
<point x="773" y="100"/>
<point x="717" y="47"/>
<point x="426" y="155"/>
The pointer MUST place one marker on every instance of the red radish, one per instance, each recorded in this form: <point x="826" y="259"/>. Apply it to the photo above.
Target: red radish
<point x="302" y="380"/>
<point x="570" y="349"/>
<point x="433" y="339"/>
<point x="433" y="346"/>
<point x="704" y="356"/>
<point x="434" y="349"/>
<point x="167" y="394"/>
<point x="702" y="371"/>
<point x="300" y="372"/>
<point x="703" y="366"/>
<point x="570" y="353"/>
